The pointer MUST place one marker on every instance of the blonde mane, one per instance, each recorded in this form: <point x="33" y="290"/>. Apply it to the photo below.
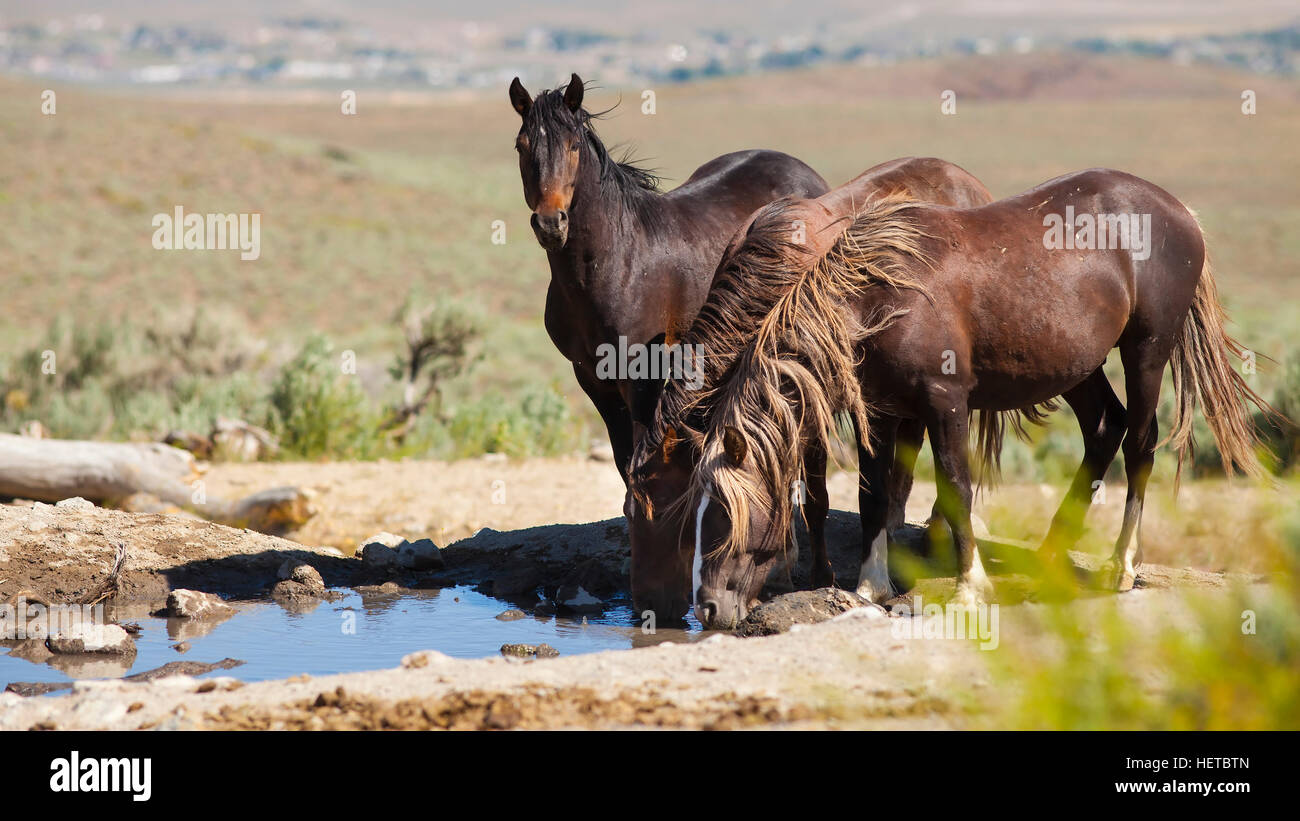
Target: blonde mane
<point x="780" y="359"/>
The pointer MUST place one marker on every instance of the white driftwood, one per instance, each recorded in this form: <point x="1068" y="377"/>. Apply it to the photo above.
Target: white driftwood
<point x="108" y="473"/>
<point x="48" y="470"/>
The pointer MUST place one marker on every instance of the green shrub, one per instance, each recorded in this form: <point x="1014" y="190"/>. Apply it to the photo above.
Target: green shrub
<point x="317" y="410"/>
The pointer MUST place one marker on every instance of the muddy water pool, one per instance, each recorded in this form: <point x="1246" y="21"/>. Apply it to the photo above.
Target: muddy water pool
<point x="354" y="633"/>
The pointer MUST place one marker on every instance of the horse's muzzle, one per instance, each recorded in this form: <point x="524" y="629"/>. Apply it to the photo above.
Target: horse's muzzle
<point x="721" y="611"/>
<point x="552" y="230"/>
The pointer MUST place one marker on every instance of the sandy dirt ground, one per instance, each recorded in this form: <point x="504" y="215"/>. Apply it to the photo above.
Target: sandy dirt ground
<point x="854" y="670"/>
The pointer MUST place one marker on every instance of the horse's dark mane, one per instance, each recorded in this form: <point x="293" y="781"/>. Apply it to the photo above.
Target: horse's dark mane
<point x="550" y="112"/>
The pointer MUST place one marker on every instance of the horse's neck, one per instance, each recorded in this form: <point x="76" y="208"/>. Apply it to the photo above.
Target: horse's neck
<point x="606" y="230"/>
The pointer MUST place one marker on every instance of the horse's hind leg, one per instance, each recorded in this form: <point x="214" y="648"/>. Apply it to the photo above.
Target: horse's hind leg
<point x="948" y="426"/>
<point x="873" y="508"/>
<point x="1143" y="370"/>
<point x="1102" y="421"/>
<point x="816" y="507"/>
<point x="907" y="445"/>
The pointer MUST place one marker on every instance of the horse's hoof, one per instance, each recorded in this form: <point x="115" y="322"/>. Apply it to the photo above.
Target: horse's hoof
<point x="873" y="595"/>
<point x="1119" y="579"/>
<point x="970" y="596"/>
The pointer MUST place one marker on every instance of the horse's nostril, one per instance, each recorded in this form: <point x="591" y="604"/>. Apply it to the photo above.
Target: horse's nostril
<point x="563" y="217"/>
<point x="536" y="222"/>
<point x="708" y="612"/>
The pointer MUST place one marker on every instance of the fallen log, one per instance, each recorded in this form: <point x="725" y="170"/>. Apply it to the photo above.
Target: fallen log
<point x="127" y="474"/>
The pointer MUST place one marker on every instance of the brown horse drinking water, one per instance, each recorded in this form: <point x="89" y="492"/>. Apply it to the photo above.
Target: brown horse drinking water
<point x="662" y="540"/>
<point x="628" y="264"/>
<point x="914" y="311"/>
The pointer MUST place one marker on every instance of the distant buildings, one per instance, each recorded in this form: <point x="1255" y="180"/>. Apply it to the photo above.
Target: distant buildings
<point x="317" y="52"/>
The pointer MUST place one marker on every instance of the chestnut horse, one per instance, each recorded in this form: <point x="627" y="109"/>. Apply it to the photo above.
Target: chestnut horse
<point x="915" y="311"/>
<point x="628" y="264"/>
<point x="662" y="543"/>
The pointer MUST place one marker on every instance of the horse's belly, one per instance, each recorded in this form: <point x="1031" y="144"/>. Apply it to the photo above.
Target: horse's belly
<point x="1035" y="370"/>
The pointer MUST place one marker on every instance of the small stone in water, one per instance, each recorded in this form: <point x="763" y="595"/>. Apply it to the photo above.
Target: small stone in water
<point x="541" y="651"/>
<point x="513" y="614"/>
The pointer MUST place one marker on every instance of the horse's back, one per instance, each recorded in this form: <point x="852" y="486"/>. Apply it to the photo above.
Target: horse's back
<point x="758" y="175"/>
<point x="928" y="179"/>
<point x="1009" y="288"/>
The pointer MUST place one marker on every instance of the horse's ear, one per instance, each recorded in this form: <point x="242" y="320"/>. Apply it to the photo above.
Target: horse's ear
<point x="670" y="443"/>
<point x="734" y="445"/>
<point x="573" y="94"/>
<point x="519" y="98"/>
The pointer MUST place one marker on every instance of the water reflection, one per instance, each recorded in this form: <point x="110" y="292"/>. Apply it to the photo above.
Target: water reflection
<point x="365" y="630"/>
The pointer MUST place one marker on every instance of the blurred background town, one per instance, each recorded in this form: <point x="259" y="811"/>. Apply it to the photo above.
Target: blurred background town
<point x="448" y="46"/>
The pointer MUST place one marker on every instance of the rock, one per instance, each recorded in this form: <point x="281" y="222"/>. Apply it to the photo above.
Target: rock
<point x="24" y="689"/>
<point x="384" y="538"/>
<point x="378" y="555"/>
<point x="302" y="587"/>
<point x="75" y="503"/>
<point x="586" y="586"/>
<point x="513" y="614"/>
<point x="421" y="554"/>
<point x="300" y="572"/>
<point x="541" y="651"/>
<point x="234" y="440"/>
<point x="298" y="597"/>
<point x="183" y="668"/>
<point x="576" y="599"/>
<point x="600" y="580"/>
<point x="600" y="451"/>
<point x="105" y="639"/>
<point x="387" y="590"/>
<point x="424" y="658"/>
<point x="780" y="614"/>
<point x="33" y="650"/>
<point x="515" y="582"/>
<point x="194" y="604"/>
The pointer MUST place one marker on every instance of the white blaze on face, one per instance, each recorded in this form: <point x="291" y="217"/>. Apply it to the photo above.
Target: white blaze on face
<point x="698" y="562"/>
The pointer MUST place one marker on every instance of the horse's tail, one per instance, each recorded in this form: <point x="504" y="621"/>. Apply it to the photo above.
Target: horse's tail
<point x="1202" y="372"/>
<point x="991" y="427"/>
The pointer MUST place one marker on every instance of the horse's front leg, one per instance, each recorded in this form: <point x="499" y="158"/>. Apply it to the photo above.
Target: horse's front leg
<point x="873" y="508"/>
<point x="816" y="507"/>
<point x="948" y="428"/>
<point x="614" y="413"/>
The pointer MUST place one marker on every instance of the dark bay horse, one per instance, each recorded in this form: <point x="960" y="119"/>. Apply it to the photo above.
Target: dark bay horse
<point x="917" y="311"/>
<point x="629" y="265"/>
<point x="662" y="541"/>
